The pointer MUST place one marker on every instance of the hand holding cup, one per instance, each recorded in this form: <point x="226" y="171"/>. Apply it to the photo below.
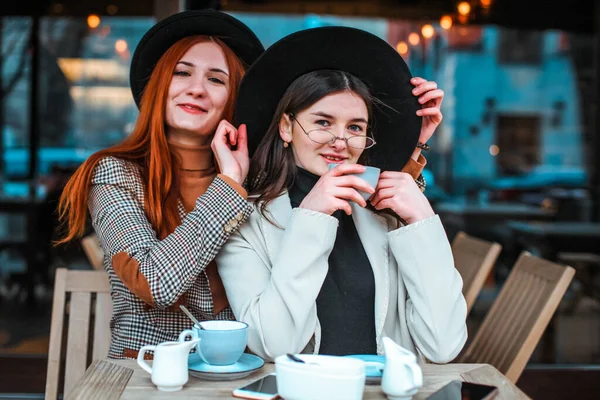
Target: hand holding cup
<point x="337" y="188"/>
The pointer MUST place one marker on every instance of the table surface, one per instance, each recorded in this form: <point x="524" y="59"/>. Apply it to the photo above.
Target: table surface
<point x="139" y="386"/>
<point x="501" y="209"/>
<point x="582" y="229"/>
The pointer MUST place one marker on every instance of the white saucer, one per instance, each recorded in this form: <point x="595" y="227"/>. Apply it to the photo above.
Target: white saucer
<point x="247" y="364"/>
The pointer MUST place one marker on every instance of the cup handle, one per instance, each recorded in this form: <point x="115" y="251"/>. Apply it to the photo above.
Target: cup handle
<point x="417" y="375"/>
<point x="194" y="335"/>
<point x="188" y="332"/>
<point x="140" y="358"/>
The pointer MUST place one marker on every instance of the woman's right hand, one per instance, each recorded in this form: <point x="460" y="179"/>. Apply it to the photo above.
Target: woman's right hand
<point x="334" y="189"/>
<point x="232" y="162"/>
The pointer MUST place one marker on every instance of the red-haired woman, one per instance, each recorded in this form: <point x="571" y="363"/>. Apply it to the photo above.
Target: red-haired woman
<point x="159" y="203"/>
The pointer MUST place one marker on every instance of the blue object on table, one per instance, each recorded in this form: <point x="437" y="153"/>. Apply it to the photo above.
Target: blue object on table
<point x="374" y="366"/>
<point x="243" y="367"/>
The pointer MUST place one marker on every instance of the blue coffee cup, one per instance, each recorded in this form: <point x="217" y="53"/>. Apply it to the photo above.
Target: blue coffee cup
<point x="371" y="176"/>
<point x="221" y="342"/>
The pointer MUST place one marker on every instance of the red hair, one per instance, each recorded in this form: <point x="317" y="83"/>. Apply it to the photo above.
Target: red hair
<point x="147" y="148"/>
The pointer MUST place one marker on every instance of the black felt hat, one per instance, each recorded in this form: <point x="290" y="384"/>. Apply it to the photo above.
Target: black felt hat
<point x="396" y="127"/>
<point x="234" y="33"/>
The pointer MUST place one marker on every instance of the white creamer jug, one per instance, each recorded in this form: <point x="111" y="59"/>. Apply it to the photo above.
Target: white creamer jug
<point x="402" y="375"/>
<point x="170" y="365"/>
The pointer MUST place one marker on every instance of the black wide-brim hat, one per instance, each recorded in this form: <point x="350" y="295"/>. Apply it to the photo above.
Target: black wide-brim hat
<point x="234" y="33"/>
<point x="395" y="125"/>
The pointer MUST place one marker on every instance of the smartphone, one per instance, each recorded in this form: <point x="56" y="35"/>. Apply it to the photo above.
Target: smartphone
<point x="264" y="388"/>
<point x="458" y="390"/>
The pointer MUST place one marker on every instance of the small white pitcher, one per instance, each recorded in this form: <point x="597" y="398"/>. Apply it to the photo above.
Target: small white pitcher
<point x="170" y="366"/>
<point x="402" y="376"/>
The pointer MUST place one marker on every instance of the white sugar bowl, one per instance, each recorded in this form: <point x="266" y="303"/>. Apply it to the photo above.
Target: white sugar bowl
<point x="320" y="377"/>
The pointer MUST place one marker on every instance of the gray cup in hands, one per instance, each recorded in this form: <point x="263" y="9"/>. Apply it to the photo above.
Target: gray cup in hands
<point x="371" y="176"/>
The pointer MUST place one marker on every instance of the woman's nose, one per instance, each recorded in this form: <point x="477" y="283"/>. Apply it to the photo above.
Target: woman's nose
<point x="196" y="88"/>
<point x="339" y="143"/>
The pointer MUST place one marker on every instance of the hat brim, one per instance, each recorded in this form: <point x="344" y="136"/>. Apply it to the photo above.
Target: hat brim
<point x="242" y="41"/>
<point x="396" y="127"/>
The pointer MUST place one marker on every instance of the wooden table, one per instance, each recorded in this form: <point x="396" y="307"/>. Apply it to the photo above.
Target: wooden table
<point x="99" y="379"/>
<point x="487" y="220"/>
<point x="547" y="239"/>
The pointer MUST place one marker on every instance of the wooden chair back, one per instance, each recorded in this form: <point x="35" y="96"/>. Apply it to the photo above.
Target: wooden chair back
<point x="516" y="321"/>
<point x="474" y="259"/>
<point x="93" y="251"/>
<point x="83" y="305"/>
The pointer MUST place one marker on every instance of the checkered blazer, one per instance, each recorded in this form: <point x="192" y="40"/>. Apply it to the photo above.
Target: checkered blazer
<point x="173" y="266"/>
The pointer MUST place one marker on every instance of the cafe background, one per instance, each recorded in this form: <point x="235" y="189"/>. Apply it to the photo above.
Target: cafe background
<point x="519" y="106"/>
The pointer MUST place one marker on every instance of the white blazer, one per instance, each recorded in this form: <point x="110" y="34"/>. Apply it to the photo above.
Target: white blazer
<point x="273" y="276"/>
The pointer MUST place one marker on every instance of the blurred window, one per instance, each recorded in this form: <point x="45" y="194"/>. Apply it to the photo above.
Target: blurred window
<point x="520" y="47"/>
<point x="518" y="140"/>
<point x="85" y="103"/>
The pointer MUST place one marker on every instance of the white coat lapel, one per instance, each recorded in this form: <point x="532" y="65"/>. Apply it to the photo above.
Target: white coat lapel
<point x="280" y="212"/>
<point x="372" y="230"/>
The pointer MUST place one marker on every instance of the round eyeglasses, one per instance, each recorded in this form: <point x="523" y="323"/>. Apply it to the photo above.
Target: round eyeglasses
<point x="323" y="136"/>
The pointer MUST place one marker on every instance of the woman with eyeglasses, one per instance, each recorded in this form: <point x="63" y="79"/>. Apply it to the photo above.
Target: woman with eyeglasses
<point x="317" y="268"/>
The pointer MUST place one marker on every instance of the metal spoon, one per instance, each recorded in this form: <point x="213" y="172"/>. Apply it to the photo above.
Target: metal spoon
<point x="189" y="314"/>
<point x="299" y="360"/>
<point x="294" y="358"/>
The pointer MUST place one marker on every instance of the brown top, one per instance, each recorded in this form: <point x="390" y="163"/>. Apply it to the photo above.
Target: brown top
<point x="196" y="172"/>
<point x="415" y="168"/>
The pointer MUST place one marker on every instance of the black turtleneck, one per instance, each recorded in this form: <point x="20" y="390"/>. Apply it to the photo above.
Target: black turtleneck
<point x="346" y="302"/>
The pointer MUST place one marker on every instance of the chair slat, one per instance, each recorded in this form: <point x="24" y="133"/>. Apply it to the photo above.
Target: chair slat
<point x="551" y="304"/>
<point x="474" y="259"/>
<point x="77" y="340"/>
<point x="56" y="334"/>
<point x="491" y="328"/>
<point x="87" y="281"/>
<point x="101" y="326"/>
<point x="93" y="250"/>
<point x="523" y="315"/>
<point x="510" y="312"/>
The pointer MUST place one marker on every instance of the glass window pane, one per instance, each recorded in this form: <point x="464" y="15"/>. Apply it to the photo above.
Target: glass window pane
<point x="86" y="102"/>
<point x="16" y="70"/>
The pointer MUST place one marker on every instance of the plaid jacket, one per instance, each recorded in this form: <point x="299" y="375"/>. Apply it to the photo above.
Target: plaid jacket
<point x="173" y="267"/>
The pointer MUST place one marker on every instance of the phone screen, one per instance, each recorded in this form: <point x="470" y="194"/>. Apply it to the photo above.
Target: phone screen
<point x="458" y="390"/>
<point x="266" y="385"/>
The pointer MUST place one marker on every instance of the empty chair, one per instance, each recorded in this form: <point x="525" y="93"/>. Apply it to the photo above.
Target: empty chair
<point x="474" y="259"/>
<point x="517" y="319"/>
<point x="81" y="303"/>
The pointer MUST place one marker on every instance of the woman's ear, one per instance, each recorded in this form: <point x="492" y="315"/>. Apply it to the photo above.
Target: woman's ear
<point x="285" y="128"/>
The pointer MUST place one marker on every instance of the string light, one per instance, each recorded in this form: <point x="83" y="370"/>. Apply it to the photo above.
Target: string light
<point x="93" y="21"/>
<point x="446" y="22"/>
<point x="464" y="8"/>
<point x="427" y="31"/>
<point x="402" y="47"/>
<point x="120" y="46"/>
<point x="414" y="39"/>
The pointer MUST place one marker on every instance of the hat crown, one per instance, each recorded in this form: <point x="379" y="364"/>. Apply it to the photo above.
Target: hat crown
<point x="166" y="32"/>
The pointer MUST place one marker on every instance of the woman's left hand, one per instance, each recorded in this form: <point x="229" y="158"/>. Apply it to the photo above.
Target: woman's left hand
<point x="431" y="99"/>
<point x="399" y="192"/>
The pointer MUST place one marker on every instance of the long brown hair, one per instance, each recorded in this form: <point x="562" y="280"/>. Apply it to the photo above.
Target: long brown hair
<point x="147" y="148"/>
<point x="273" y="168"/>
